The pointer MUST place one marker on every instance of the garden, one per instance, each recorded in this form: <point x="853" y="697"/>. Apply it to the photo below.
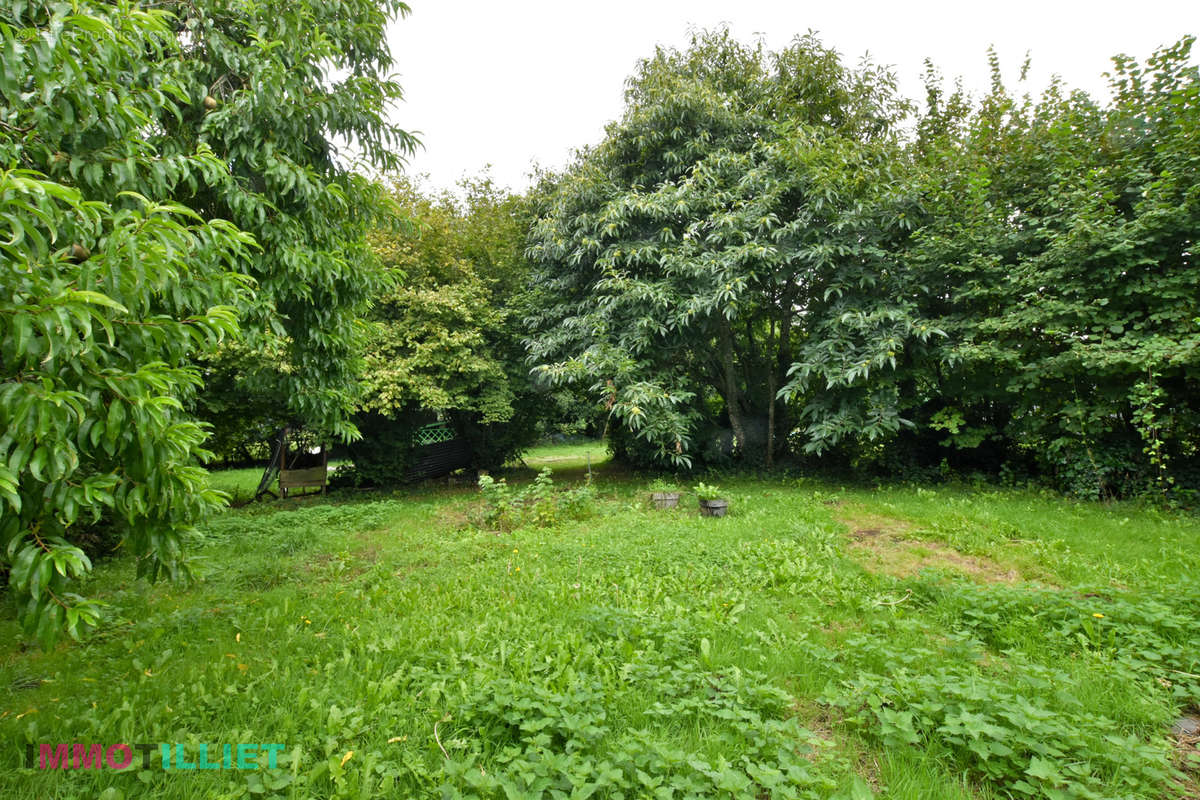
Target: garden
<point x="796" y="438"/>
<point x="572" y="640"/>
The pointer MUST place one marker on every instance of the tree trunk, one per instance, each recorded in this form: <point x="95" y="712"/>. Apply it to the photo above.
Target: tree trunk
<point x="785" y="341"/>
<point x="771" y="419"/>
<point x="733" y="398"/>
<point x="770" y="397"/>
<point x="782" y="364"/>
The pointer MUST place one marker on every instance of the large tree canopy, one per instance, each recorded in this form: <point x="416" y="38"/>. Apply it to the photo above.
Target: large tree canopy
<point x="1062" y="236"/>
<point x="732" y="238"/>
<point x="760" y="245"/>
<point x="288" y="86"/>
<point x="109" y="292"/>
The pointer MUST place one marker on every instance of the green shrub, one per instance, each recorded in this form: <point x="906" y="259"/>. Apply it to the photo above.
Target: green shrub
<point x="539" y="504"/>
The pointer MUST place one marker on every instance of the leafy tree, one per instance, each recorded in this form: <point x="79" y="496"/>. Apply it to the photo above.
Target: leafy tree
<point x="1062" y="235"/>
<point x="242" y="415"/>
<point x="294" y="98"/>
<point x="1013" y="284"/>
<point x="168" y="171"/>
<point x="444" y="338"/>
<point x="729" y="242"/>
<point x="109" y="292"/>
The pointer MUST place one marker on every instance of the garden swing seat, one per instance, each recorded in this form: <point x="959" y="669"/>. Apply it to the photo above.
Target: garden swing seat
<point x="296" y="469"/>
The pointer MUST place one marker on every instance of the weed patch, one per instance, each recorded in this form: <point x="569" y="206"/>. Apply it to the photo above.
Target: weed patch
<point x="1022" y="730"/>
<point x="539" y="504"/>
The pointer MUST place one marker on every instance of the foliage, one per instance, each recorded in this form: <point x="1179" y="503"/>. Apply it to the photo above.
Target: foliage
<point x="444" y="339"/>
<point x="1152" y="636"/>
<point x="1060" y="233"/>
<point x="739" y="186"/>
<point x="660" y="485"/>
<point x="384" y="454"/>
<point x="706" y="492"/>
<point x="295" y="99"/>
<point x="167" y="186"/>
<point x="431" y="344"/>
<point x="1036" y="736"/>
<point x="761" y="257"/>
<point x="538" y="504"/>
<point x="110" y="292"/>
<point x="243" y="421"/>
<point x="1017" y="736"/>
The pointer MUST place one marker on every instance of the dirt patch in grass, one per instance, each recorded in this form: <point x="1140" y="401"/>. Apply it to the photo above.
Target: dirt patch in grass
<point x="904" y="558"/>
<point x="456" y="517"/>
<point x="864" y="525"/>
<point x="1187" y="760"/>
<point x="824" y="722"/>
<point x="867" y="767"/>
<point x="839" y="626"/>
<point x="409" y="569"/>
<point x="317" y="561"/>
<point x="882" y="544"/>
<point x="821" y="721"/>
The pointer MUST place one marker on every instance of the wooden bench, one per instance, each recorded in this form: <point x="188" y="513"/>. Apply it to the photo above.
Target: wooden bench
<point x="310" y="477"/>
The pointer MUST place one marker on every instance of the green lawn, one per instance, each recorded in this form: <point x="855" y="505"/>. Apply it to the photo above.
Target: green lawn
<point x="239" y="484"/>
<point x="819" y="642"/>
<point x="566" y="459"/>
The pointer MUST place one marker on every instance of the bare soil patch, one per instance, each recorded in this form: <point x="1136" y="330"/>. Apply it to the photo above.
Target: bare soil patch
<point x="346" y="565"/>
<point x="457" y="516"/>
<point x="884" y="544"/>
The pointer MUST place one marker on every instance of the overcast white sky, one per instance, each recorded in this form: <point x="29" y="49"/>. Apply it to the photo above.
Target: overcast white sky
<point x="510" y="83"/>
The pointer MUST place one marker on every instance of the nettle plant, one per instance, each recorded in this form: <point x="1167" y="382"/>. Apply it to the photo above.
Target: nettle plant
<point x="664" y="486"/>
<point x="1015" y="739"/>
<point x="566" y="732"/>
<point x="1009" y="719"/>
<point x="539" y="504"/>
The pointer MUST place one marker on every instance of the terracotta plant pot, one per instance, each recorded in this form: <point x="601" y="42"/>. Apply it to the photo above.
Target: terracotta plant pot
<point x="665" y="499"/>
<point x="714" y="508"/>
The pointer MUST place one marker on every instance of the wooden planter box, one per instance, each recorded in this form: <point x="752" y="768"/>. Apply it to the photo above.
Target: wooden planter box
<point x="663" y="500"/>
